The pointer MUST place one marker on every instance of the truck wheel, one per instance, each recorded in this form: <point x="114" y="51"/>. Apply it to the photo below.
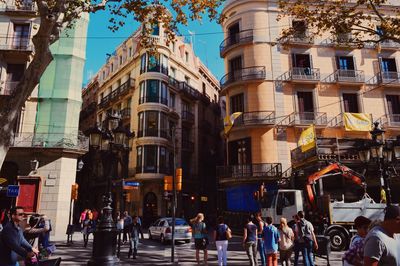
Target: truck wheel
<point x="338" y="240"/>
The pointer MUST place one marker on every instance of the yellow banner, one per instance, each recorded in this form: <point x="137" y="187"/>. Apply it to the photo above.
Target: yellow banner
<point x="229" y="120"/>
<point x="307" y="139"/>
<point x="357" y="122"/>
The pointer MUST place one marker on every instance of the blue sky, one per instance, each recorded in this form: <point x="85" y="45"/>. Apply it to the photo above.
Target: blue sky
<point x="208" y="36"/>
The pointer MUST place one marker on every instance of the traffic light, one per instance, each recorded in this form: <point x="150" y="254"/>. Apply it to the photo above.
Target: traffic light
<point x="167" y="183"/>
<point x="74" y="191"/>
<point x="178" y="179"/>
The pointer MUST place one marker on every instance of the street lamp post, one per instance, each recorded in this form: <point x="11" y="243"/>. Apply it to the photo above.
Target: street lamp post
<point x="108" y="140"/>
<point x="382" y="152"/>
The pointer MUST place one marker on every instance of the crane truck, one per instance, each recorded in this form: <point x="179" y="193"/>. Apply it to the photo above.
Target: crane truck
<point x="335" y="218"/>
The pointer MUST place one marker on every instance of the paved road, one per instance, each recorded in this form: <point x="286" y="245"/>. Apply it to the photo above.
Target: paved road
<point x="153" y="253"/>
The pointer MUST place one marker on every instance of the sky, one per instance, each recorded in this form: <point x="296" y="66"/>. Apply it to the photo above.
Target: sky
<point x="206" y="40"/>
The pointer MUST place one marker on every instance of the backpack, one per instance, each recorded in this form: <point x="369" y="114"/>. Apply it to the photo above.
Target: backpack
<point x="302" y="230"/>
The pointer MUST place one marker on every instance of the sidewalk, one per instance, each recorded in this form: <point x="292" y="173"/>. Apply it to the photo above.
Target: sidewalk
<point x="153" y="253"/>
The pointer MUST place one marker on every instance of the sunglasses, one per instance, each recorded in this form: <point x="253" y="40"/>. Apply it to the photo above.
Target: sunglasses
<point x="21" y="214"/>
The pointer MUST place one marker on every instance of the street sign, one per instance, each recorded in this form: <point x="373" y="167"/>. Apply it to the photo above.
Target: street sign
<point x="12" y="191"/>
<point x="131" y="184"/>
<point x="203" y="198"/>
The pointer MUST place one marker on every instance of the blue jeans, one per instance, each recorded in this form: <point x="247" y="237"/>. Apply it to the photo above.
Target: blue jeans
<point x="306" y="249"/>
<point x="260" y="244"/>
<point x="134" y="243"/>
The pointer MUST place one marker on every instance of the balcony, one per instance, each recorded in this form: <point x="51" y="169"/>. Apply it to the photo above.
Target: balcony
<point x="8" y="88"/>
<point x="188" y="91"/>
<point x="390" y="121"/>
<point x="105" y="102"/>
<point x="122" y="89"/>
<point x="249" y="172"/>
<point x="243" y="75"/>
<point x="387" y="78"/>
<point x="389" y="45"/>
<point x="304" y="119"/>
<point x="300" y="39"/>
<point x="17" y="44"/>
<point x="301" y="74"/>
<point x="126" y="113"/>
<point x="257" y="118"/>
<point x="155" y="68"/>
<point x="344" y="40"/>
<point x="234" y="40"/>
<point x="51" y="140"/>
<point x="20" y="9"/>
<point x="344" y="76"/>
<point x="187" y="117"/>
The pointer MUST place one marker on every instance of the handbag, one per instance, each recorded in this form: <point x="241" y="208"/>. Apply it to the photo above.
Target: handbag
<point x="228" y="233"/>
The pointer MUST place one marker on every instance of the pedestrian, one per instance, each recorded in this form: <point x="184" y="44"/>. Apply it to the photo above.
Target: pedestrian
<point x="200" y="237"/>
<point x="87" y="228"/>
<point x="82" y="217"/>
<point x="127" y="226"/>
<point x="32" y="233"/>
<point x="380" y="247"/>
<point x="260" y="243"/>
<point x="355" y="254"/>
<point x="136" y="231"/>
<point x="12" y="241"/>
<point x="221" y="235"/>
<point x="286" y="238"/>
<point x="95" y="218"/>
<point x="271" y="240"/>
<point x="250" y="240"/>
<point x="306" y="238"/>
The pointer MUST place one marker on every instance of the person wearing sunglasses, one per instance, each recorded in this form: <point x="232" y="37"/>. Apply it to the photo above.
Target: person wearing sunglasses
<point x="12" y="241"/>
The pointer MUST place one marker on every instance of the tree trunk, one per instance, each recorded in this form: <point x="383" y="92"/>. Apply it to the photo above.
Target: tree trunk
<point x="10" y="106"/>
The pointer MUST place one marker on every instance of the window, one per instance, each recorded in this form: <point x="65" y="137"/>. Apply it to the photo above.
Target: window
<point x="139" y="158"/>
<point x="151" y="123"/>
<point x="204" y="89"/>
<point x="120" y="60"/>
<point x="240" y="152"/>
<point x="301" y="60"/>
<point x="388" y="69"/>
<point x="350" y="103"/>
<point x="164" y="64"/>
<point x="300" y="28"/>
<point x="235" y="68"/>
<point x="104" y="74"/>
<point x="305" y="103"/>
<point x="393" y="105"/>
<point x="143" y="60"/>
<point x="234" y="34"/>
<point x="153" y="64"/>
<point x="141" y="125"/>
<point x="112" y="67"/>
<point x="129" y="102"/>
<point x="21" y="36"/>
<point x="237" y="103"/>
<point x="150" y="159"/>
<point x="152" y="91"/>
<point x="14" y="74"/>
<point x="130" y="51"/>
<point x="345" y="63"/>
<point x="156" y="29"/>
<point x="173" y="47"/>
<point x="172" y="100"/>
<point x="163" y="160"/>
<point x="215" y="98"/>
<point x="186" y="57"/>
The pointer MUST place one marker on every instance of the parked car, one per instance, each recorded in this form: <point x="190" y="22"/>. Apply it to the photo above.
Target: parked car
<point x="162" y="229"/>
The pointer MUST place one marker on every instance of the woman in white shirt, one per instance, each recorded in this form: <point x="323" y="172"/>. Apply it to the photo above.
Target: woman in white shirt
<point x="286" y="238"/>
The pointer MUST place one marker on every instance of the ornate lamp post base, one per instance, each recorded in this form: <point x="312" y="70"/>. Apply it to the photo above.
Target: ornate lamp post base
<point x="105" y="239"/>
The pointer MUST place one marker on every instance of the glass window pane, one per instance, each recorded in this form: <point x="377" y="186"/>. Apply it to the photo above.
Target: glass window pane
<point x="152" y="123"/>
<point x="150" y="159"/>
<point x="153" y="64"/>
<point x="141" y="125"/>
<point x="139" y="159"/>
<point x="142" y="92"/>
<point x="143" y="63"/>
<point x="152" y="92"/>
<point x="164" y="91"/>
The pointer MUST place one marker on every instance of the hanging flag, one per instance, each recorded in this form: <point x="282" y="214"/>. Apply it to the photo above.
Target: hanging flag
<point x="229" y="120"/>
<point x="357" y="122"/>
<point x="307" y="139"/>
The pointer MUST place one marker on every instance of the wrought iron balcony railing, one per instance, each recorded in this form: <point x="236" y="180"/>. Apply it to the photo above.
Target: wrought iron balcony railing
<point x="8" y="88"/>
<point x="389" y="44"/>
<point x="187" y="117"/>
<point x="255" y="118"/>
<point x="126" y="113"/>
<point x="22" y="7"/>
<point x="51" y="140"/>
<point x="17" y="43"/>
<point x="243" y="74"/>
<point x="249" y="171"/>
<point x="303" y="38"/>
<point x="153" y="99"/>
<point x="390" y="120"/>
<point x="301" y="74"/>
<point x="305" y="119"/>
<point x="242" y="37"/>
<point x="346" y="76"/>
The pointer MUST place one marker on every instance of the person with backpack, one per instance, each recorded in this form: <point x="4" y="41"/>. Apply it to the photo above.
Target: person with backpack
<point x="260" y="243"/>
<point x="250" y="240"/>
<point x="222" y="234"/>
<point x="200" y="236"/>
<point x="271" y="240"/>
<point x="305" y="237"/>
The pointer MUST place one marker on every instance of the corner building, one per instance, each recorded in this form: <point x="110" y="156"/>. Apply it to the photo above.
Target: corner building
<point x="155" y="93"/>
<point x="282" y="88"/>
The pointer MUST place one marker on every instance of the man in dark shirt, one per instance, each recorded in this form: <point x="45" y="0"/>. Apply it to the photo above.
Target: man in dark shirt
<point x="135" y="232"/>
<point x="12" y="241"/>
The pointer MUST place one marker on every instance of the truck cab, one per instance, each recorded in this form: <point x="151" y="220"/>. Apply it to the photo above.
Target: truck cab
<point x="282" y="203"/>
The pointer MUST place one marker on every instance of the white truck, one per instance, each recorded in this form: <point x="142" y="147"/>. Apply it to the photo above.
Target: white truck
<point x="335" y="217"/>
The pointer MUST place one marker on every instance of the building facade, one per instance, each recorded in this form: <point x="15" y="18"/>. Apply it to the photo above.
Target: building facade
<point x="171" y="101"/>
<point x="281" y="88"/>
<point x="42" y="158"/>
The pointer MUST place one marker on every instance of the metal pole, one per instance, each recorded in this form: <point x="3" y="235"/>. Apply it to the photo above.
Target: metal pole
<point x="69" y="222"/>
<point x="173" y="199"/>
